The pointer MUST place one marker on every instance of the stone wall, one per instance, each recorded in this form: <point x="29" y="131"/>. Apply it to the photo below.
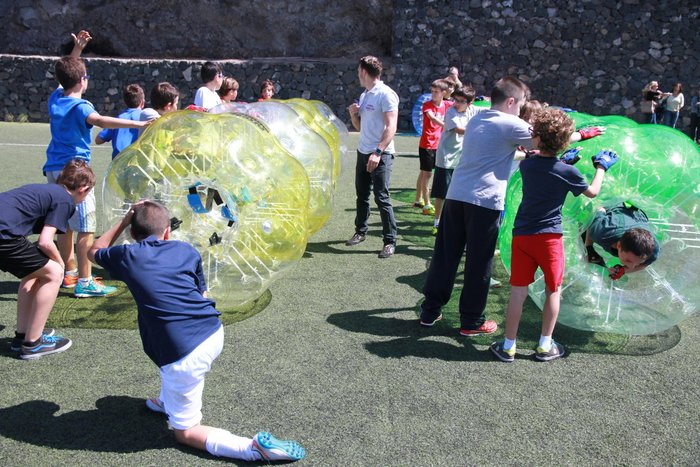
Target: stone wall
<point x="591" y="55"/>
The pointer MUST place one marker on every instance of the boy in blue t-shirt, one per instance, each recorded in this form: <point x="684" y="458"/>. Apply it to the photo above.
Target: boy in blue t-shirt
<point x="71" y="121"/>
<point x="121" y="138"/>
<point x="537" y="230"/>
<point x="40" y="209"/>
<point x="180" y="329"/>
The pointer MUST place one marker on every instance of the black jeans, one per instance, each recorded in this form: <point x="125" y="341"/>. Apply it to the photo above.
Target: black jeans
<point x="463" y="226"/>
<point x="377" y="181"/>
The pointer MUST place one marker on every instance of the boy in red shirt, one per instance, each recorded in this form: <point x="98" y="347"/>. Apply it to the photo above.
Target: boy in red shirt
<point x="433" y="121"/>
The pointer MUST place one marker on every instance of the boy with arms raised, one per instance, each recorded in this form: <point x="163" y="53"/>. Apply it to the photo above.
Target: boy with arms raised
<point x="42" y="209"/>
<point x="537" y="230"/>
<point x="72" y="119"/>
<point x="180" y="329"/>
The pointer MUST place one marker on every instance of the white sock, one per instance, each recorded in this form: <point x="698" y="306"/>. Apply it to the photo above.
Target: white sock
<point x="84" y="281"/>
<point x="508" y="344"/>
<point x="225" y="444"/>
<point x="545" y="343"/>
<point x="72" y="272"/>
<point x="436" y="223"/>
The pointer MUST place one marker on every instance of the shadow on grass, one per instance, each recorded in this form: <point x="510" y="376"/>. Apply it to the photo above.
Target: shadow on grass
<point x="119" y="424"/>
<point x="118" y="311"/>
<point x="411" y="340"/>
<point x="9" y="288"/>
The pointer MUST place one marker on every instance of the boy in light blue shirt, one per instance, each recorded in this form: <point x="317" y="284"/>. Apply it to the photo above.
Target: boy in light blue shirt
<point x="123" y="137"/>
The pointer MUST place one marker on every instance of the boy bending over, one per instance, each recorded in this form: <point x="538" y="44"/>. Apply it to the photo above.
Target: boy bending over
<point x="43" y="209"/>
<point x="180" y="329"/>
<point x="537" y="230"/>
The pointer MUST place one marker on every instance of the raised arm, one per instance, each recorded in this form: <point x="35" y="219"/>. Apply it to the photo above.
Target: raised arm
<point x="79" y="43"/>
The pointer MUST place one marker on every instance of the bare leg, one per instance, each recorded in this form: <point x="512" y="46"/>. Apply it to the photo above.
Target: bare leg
<point x="85" y="241"/>
<point x="35" y="299"/>
<point x="426" y="184"/>
<point x="550" y="311"/>
<point x="65" y="247"/>
<point x="515" y="310"/>
<point x="438" y="208"/>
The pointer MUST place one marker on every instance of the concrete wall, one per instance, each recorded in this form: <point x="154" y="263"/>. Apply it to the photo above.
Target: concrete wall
<point x="591" y="55"/>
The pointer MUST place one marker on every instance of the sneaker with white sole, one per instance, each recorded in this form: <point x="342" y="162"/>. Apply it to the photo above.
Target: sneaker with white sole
<point x="93" y="289"/>
<point x="486" y="328"/>
<point x="273" y="449"/>
<point x="556" y="351"/>
<point x="46" y="345"/>
<point x="155" y="404"/>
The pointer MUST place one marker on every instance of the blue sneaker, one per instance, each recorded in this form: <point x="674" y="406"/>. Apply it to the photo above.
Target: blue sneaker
<point x="46" y="346"/>
<point x="94" y="288"/>
<point x="273" y="449"/>
<point x="17" y="341"/>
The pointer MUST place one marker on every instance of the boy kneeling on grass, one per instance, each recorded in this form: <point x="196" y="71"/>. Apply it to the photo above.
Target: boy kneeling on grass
<point x="180" y="329"/>
<point x="537" y="230"/>
<point x="42" y="209"/>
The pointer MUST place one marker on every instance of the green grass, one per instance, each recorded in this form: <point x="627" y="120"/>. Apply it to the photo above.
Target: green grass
<point x="336" y="360"/>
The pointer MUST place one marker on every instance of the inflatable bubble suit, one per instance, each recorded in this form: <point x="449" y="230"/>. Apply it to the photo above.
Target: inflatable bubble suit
<point x="417" y="112"/>
<point x="658" y="171"/>
<point x="307" y="146"/>
<point x="241" y="199"/>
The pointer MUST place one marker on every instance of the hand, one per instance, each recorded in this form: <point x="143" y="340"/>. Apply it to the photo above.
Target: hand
<point x="81" y="40"/>
<point x="592" y="132"/>
<point x="570" y="156"/>
<point x="130" y="213"/>
<point x="373" y="162"/>
<point x="616" y="272"/>
<point x="354" y="109"/>
<point x="604" y="159"/>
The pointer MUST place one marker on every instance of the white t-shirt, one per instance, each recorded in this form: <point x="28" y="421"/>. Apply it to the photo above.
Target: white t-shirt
<point x="490" y="141"/>
<point x="373" y="105"/>
<point x="206" y="98"/>
<point x="450" y="146"/>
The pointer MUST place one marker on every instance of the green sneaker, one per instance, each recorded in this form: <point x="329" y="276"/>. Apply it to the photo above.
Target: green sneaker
<point x="93" y="289"/>
<point x="429" y="210"/>
<point x="434" y="231"/>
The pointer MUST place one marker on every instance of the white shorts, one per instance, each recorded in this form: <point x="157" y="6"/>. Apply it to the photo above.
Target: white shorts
<point x="84" y="219"/>
<point x="182" y="382"/>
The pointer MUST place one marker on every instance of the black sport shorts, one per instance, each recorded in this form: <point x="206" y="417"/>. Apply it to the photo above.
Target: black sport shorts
<point x="20" y="257"/>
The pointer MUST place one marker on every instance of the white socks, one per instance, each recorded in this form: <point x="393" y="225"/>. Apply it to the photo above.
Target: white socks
<point x="545" y="343"/>
<point x="508" y="344"/>
<point x="225" y="444"/>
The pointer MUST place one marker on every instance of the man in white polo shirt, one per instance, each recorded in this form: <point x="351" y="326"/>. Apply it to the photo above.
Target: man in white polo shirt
<point x="375" y="115"/>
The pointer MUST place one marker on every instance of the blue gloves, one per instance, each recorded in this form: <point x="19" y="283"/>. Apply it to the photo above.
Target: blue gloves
<point x="570" y="156"/>
<point x="605" y="159"/>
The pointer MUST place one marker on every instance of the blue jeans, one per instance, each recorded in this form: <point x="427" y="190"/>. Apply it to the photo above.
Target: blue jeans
<point x="462" y="226"/>
<point x="670" y="118"/>
<point x="377" y="181"/>
<point x="649" y="118"/>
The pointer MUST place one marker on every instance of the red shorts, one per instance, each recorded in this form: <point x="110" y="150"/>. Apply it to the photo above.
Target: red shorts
<point x="530" y="251"/>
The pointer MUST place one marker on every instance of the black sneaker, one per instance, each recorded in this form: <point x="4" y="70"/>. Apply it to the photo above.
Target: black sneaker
<point x="594" y="257"/>
<point x="502" y="354"/>
<point x="17" y="341"/>
<point x="556" y="351"/>
<point x="387" y="251"/>
<point x="46" y="346"/>
<point x="428" y="323"/>
<point x="355" y="239"/>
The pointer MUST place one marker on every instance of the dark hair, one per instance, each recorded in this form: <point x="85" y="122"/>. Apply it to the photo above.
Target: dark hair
<point x="267" y="84"/>
<point x="227" y="85"/>
<point x="133" y="96"/>
<point x="372" y="65"/>
<point x="163" y="94"/>
<point x="509" y="87"/>
<point x="467" y="92"/>
<point x="554" y="128"/>
<point x="209" y="71"/>
<point x="150" y="218"/>
<point x="76" y="174"/>
<point x="639" y="242"/>
<point x="451" y="84"/>
<point x="69" y="71"/>
<point x="680" y="87"/>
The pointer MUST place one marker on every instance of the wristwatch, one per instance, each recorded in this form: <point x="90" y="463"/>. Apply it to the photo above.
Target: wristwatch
<point x="378" y="152"/>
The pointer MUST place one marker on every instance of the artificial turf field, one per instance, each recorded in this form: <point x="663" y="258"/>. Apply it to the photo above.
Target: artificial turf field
<point x="333" y="357"/>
